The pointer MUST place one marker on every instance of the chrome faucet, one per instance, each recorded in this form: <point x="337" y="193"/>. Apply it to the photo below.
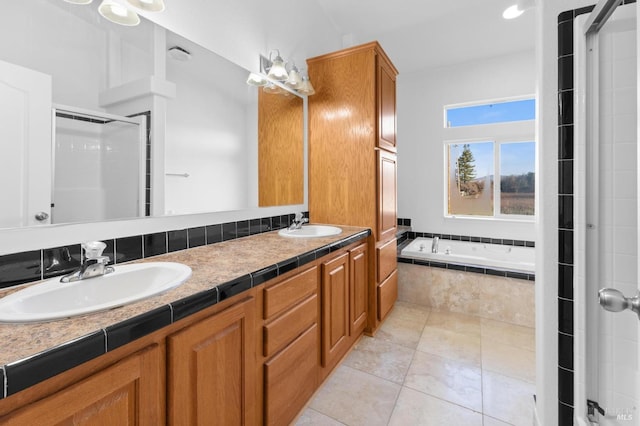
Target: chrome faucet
<point x="94" y="264"/>
<point x="434" y="244"/>
<point x="298" y="221"/>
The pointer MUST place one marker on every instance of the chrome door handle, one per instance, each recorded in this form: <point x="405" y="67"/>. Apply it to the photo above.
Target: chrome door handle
<point x="40" y="216"/>
<point x="614" y="301"/>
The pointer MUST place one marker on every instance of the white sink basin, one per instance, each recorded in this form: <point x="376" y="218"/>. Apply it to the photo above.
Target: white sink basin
<point x="53" y="299"/>
<point x="310" y="231"/>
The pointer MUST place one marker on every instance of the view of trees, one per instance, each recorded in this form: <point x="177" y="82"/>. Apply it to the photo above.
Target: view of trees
<point x="467" y="173"/>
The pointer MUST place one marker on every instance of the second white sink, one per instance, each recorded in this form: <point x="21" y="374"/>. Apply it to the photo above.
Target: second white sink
<point x="52" y="299"/>
<point x="307" y="231"/>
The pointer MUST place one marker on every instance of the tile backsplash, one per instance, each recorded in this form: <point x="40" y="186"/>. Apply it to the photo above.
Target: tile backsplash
<point x="19" y="268"/>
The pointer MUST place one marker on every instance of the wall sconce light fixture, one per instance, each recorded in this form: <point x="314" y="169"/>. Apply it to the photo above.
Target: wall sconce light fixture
<point x="122" y="15"/>
<point x="276" y="70"/>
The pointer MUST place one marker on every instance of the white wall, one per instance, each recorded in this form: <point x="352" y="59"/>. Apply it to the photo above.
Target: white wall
<point x="421" y="98"/>
<point x="239" y="31"/>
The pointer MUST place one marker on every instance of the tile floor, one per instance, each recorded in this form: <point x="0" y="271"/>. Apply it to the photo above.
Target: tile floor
<point x="427" y="367"/>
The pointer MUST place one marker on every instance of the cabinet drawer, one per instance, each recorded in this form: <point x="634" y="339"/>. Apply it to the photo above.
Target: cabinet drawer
<point x="387" y="295"/>
<point x="289" y="292"/>
<point x="290" y="378"/>
<point x="290" y="325"/>
<point x="387" y="259"/>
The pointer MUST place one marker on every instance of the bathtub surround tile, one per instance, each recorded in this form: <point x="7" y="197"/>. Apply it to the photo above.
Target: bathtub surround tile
<point x="507" y="399"/>
<point x="136" y="327"/>
<point x="110" y="250"/>
<point x="417" y="408"/>
<point x="456" y="322"/>
<point x="507" y="299"/>
<point x="22" y="374"/>
<point x="197" y="236"/>
<point x="450" y="380"/>
<point x="155" y="244"/>
<point x="381" y="358"/>
<point x="177" y="240"/>
<point x="356" y="398"/>
<point x="128" y="248"/>
<point x="510" y="334"/>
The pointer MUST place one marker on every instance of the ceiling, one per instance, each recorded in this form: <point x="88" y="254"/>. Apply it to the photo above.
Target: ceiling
<point x="419" y="34"/>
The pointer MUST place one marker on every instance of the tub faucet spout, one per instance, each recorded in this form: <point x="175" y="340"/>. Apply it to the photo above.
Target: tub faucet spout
<point x="434" y="245"/>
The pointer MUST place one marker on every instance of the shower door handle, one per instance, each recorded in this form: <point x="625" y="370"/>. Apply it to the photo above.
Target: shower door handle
<point x="614" y="301"/>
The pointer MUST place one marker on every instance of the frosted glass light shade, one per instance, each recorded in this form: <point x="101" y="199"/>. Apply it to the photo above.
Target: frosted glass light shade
<point x="294" y="80"/>
<point x="306" y="88"/>
<point x="272" y="88"/>
<point x="148" y="5"/>
<point x="512" y="12"/>
<point x="278" y="71"/>
<point x="118" y="14"/>
<point x="256" y="80"/>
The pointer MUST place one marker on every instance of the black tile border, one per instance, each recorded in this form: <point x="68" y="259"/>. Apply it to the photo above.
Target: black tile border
<point x="21" y="374"/>
<point x="412" y="235"/>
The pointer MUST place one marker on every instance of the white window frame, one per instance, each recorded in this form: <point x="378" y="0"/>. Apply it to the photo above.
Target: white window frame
<point x="498" y="133"/>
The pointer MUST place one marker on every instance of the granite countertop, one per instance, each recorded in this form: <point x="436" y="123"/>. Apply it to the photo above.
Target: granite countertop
<point x="247" y="262"/>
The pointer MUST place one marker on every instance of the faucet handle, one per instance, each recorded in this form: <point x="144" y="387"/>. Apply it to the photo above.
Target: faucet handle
<point x="93" y="249"/>
<point x="298" y="217"/>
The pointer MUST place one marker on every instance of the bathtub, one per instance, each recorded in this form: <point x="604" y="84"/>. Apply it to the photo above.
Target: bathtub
<point x="494" y="256"/>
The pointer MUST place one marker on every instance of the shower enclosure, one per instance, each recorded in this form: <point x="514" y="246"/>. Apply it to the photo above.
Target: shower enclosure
<point x="98" y="166"/>
<point x="607" y="355"/>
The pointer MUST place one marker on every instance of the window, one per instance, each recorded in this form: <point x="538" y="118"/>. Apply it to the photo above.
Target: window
<point x="472" y="163"/>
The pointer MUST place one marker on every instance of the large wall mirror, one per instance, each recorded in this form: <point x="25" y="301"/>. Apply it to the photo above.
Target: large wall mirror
<point x="99" y="122"/>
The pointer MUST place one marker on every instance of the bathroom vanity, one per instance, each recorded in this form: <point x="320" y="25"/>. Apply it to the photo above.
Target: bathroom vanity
<point x="241" y="342"/>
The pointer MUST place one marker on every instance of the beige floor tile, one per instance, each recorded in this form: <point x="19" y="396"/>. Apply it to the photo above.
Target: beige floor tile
<point x="507" y="399"/>
<point x="490" y="421"/>
<point x="450" y="344"/>
<point x="417" y="408"/>
<point x="356" y="398"/>
<point x="454" y="321"/>
<point x="446" y="379"/>
<point x="381" y="358"/>
<point x="404" y="325"/>
<point x="508" y="360"/>
<point x="312" y="417"/>
<point x="511" y="334"/>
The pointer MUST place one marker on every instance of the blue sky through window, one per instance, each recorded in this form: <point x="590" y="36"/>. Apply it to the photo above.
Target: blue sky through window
<point x="498" y="112"/>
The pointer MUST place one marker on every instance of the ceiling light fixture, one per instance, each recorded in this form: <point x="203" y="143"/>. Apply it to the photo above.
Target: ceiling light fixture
<point x="118" y="13"/>
<point x="274" y="72"/>
<point x="518" y="9"/>
<point x="79" y="1"/>
<point x="148" y="5"/>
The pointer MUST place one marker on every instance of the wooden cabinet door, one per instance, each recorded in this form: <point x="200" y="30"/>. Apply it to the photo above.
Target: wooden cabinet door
<point x="129" y="392"/>
<point x="386" y="79"/>
<point x="290" y="378"/>
<point x="211" y="375"/>
<point x="387" y="205"/>
<point x="335" y="310"/>
<point x="358" y="271"/>
<point x="387" y="295"/>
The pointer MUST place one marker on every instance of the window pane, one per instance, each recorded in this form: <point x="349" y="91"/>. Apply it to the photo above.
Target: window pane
<point x="499" y="112"/>
<point x="470" y="182"/>
<point x="517" y="178"/>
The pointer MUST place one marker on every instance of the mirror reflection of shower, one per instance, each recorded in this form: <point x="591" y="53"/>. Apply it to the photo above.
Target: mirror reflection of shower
<point x="99" y="166"/>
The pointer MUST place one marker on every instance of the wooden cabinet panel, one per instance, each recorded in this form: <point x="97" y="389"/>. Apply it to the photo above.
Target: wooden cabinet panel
<point x="387" y="205"/>
<point x="290" y="325"/>
<point x="335" y="309"/>
<point x="212" y="369"/>
<point x="359" y="281"/>
<point x="387" y="259"/>
<point x="386" y="76"/>
<point x="287" y="293"/>
<point x="130" y="392"/>
<point x="387" y="295"/>
<point x="291" y="378"/>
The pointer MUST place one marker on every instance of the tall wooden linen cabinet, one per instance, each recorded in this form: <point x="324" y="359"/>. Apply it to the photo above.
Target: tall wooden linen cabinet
<point x="352" y="158"/>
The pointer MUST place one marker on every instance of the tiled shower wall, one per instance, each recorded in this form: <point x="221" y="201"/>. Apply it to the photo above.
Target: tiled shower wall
<point x="566" y="217"/>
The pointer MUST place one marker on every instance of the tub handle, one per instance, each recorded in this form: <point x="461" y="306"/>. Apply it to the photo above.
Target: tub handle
<point x="613" y="300"/>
